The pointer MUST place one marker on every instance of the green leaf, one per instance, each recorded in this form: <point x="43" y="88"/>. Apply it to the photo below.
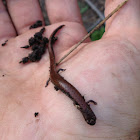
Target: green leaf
<point x="84" y="9"/>
<point x="97" y="34"/>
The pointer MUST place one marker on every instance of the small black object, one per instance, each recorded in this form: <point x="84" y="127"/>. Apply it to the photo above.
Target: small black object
<point x="38" y="23"/>
<point x="42" y="30"/>
<point x="26" y="47"/>
<point x="36" y="114"/>
<point x="3" y="44"/>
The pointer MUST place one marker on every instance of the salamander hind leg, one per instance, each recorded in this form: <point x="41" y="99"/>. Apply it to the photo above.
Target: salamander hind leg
<point x="77" y="105"/>
<point x="61" y="70"/>
<point x="56" y="88"/>
<point x="47" y="83"/>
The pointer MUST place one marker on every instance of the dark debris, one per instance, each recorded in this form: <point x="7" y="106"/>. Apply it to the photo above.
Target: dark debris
<point x="3" y="44"/>
<point x="36" y="114"/>
<point x="25" y="47"/>
<point x="38" y="45"/>
<point x="24" y="60"/>
<point x="37" y="24"/>
<point x="32" y="41"/>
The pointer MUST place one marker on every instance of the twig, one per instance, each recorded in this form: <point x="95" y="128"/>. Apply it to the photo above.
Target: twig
<point x="94" y="25"/>
<point x="99" y="25"/>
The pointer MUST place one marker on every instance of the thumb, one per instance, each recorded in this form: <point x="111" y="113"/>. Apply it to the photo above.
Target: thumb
<point x="127" y="19"/>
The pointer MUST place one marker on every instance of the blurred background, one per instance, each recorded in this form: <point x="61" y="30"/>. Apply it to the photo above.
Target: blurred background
<point x="92" y="12"/>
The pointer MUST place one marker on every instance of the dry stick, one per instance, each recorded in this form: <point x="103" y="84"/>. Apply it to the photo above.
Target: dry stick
<point x="98" y="26"/>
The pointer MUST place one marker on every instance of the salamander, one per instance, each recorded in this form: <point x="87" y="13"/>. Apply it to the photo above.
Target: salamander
<point x="67" y="88"/>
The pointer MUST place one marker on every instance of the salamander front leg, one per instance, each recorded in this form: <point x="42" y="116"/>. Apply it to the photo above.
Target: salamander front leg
<point x="91" y="101"/>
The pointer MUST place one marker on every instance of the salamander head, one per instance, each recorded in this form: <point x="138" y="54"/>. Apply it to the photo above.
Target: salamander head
<point x="89" y="116"/>
<point x="91" y="121"/>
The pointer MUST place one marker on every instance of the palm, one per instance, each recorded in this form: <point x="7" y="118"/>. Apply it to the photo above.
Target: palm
<point x="109" y="74"/>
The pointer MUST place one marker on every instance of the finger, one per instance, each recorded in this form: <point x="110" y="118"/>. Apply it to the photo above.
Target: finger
<point x="24" y="13"/>
<point x="127" y="19"/>
<point x="63" y="10"/>
<point x="6" y="27"/>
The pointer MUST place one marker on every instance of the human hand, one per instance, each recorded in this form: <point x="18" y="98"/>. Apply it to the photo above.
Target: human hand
<point x="106" y="71"/>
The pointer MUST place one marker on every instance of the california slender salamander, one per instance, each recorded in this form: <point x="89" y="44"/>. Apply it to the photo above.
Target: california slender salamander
<point x="61" y="84"/>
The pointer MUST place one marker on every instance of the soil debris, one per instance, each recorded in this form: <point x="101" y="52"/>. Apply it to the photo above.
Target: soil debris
<point x="25" y="47"/>
<point x="36" y="114"/>
<point x="3" y="44"/>
<point x="38" y="45"/>
<point x="37" y="24"/>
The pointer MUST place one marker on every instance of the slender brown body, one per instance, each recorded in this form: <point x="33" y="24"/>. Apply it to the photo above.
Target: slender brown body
<point x="61" y="84"/>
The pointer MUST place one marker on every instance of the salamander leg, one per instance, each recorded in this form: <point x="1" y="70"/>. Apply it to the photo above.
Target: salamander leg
<point x="47" y="83"/>
<point x="83" y="97"/>
<point x="56" y="88"/>
<point x="91" y="101"/>
<point x="61" y="70"/>
<point x="76" y="105"/>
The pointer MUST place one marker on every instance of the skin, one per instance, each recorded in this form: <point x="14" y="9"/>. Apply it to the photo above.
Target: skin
<point x="106" y="71"/>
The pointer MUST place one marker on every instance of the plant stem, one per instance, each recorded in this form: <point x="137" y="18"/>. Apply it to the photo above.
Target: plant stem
<point x="98" y="26"/>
